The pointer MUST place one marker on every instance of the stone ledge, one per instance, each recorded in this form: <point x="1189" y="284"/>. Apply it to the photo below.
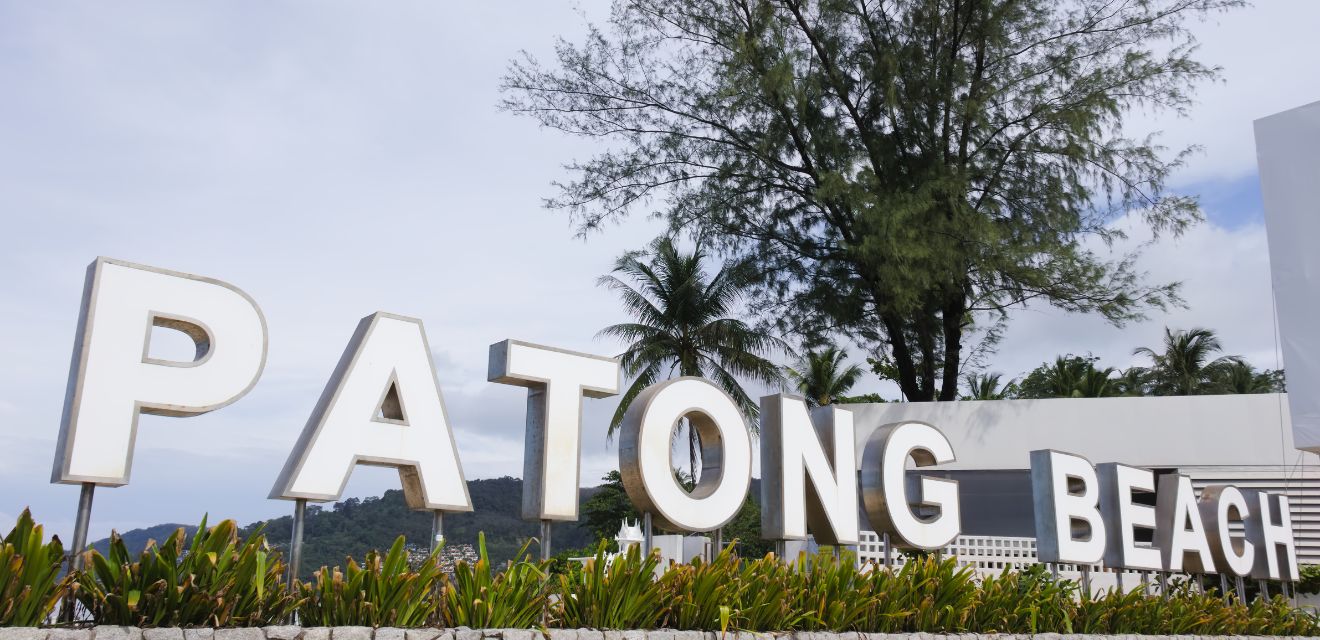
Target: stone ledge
<point x="289" y="632"/>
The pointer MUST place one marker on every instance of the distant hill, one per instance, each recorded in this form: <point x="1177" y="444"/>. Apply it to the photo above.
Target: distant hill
<point x="137" y="539"/>
<point x="354" y="526"/>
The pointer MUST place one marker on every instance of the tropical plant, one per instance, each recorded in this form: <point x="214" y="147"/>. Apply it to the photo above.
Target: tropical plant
<point x="822" y="377"/>
<point x="986" y="386"/>
<point x="1069" y="377"/>
<point x="1237" y="376"/>
<point x="214" y="581"/>
<point x="1184" y="365"/>
<point x="682" y="326"/>
<point x="702" y="594"/>
<point x="619" y="592"/>
<point x="381" y="592"/>
<point x="1133" y="382"/>
<point x="30" y="582"/>
<point x="902" y="173"/>
<point x="514" y="598"/>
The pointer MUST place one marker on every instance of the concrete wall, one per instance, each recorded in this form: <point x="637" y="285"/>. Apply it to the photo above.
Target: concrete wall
<point x="1229" y="430"/>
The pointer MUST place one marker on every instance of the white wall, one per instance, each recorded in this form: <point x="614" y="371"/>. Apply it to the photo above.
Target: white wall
<point x="1227" y="430"/>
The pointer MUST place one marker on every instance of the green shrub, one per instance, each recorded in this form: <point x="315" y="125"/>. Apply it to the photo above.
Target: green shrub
<point x="218" y="581"/>
<point x="702" y="594"/>
<point x="30" y="582"/>
<point x="1028" y="601"/>
<point x="215" y="581"/>
<point x="515" y="598"/>
<point x="381" y="592"/>
<point x="612" y="593"/>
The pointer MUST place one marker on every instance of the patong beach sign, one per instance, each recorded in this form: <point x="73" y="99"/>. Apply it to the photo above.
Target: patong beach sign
<point x="383" y="406"/>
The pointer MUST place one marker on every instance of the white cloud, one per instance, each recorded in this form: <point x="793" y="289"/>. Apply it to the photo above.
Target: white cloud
<point x="1226" y="286"/>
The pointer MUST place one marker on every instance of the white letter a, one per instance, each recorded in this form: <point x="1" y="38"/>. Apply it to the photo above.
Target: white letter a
<point x="382" y="407"/>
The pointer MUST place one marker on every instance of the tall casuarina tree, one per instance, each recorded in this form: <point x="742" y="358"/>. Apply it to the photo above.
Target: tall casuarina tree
<point x="683" y="326"/>
<point x="903" y="172"/>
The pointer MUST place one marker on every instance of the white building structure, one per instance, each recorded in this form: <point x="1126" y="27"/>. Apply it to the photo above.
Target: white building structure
<point x="1245" y="440"/>
<point x="673" y="548"/>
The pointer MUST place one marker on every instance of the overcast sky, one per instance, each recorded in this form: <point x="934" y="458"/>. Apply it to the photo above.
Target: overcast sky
<point x="334" y="159"/>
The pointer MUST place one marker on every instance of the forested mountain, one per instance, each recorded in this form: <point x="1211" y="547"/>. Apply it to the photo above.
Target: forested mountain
<point x="354" y="526"/>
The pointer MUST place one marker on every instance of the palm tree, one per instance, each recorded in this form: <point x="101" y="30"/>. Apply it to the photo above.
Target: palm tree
<point x="682" y="328"/>
<point x="1185" y="367"/>
<point x="822" y="377"/>
<point x="1069" y="377"/>
<point x="1133" y="381"/>
<point x="985" y="386"/>
<point x="1239" y="377"/>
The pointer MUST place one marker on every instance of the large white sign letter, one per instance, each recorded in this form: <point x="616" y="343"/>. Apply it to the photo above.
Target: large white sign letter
<point x="1270" y="529"/>
<point x="925" y="516"/>
<point x="808" y="475"/>
<point x="1123" y="515"/>
<point x="113" y="376"/>
<point x="1181" y="534"/>
<point x="1221" y="505"/>
<point x="1065" y="493"/>
<point x="556" y="381"/>
<point x="381" y="407"/>
<point x="726" y="454"/>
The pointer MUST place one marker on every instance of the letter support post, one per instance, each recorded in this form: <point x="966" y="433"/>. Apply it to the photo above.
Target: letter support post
<point x="437" y="530"/>
<point x="296" y="541"/>
<point x="83" y="518"/>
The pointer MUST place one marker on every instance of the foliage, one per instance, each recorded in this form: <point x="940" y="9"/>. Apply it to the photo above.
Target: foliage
<point x="381" y="592"/>
<point x="355" y="526"/>
<point x="1184" y="366"/>
<point x="822" y="376"/>
<point x="863" y="398"/>
<point x="215" y="581"/>
<point x="1310" y="579"/>
<point x="606" y="509"/>
<point x="744" y="531"/>
<point x="986" y="386"/>
<point x="683" y="327"/>
<point x="1069" y="377"/>
<point x="618" y="592"/>
<point x="514" y="598"/>
<point x="1238" y="376"/>
<point x="30" y="582"/>
<point x="701" y="594"/>
<point x="900" y="173"/>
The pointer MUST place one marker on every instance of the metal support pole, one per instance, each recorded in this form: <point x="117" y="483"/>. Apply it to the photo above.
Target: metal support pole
<point x="545" y="539"/>
<point x="719" y="543"/>
<point x="1264" y="589"/>
<point x="781" y="550"/>
<point x="296" y="541"/>
<point x="1118" y="577"/>
<point x="1086" y="581"/>
<point x="1223" y="586"/>
<point x="80" y="525"/>
<point x="1241" y="589"/>
<point x="1164" y="585"/>
<point x="437" y="530"/>
<point x="884" y="541"/>
<point x="646" y="534"/>
<point x="1145" y="583"/>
